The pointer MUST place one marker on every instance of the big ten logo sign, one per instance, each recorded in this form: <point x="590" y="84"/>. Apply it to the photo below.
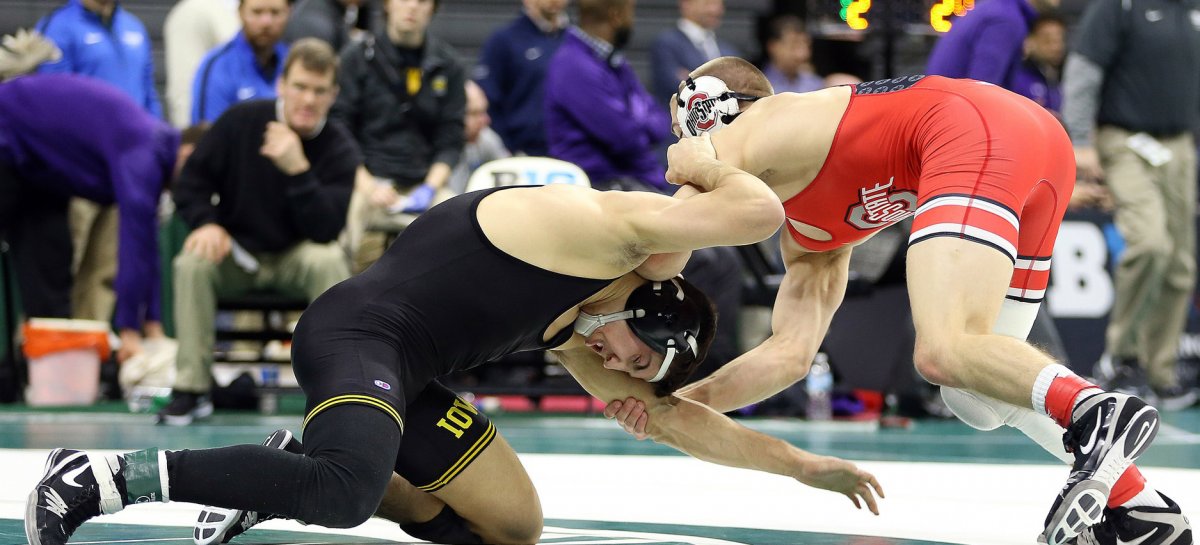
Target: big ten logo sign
<point x="502" y="178"/>
<point x="458" y="418"/>
<point x="1080" y="283"/>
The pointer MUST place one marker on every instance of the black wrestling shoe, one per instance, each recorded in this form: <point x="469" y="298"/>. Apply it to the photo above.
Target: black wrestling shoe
<point x="68" y="495"/>
<point x="219" y="525"/>
<point x="1141" y="526"/>
<point x="1107" y="433"/>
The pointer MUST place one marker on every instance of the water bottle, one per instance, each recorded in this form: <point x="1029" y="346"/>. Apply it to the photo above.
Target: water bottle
<point x="819" y="386"/>
<point x="268" y="401"/>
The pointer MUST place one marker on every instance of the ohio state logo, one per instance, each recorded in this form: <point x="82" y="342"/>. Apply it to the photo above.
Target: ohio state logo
<point x="880" y="206"/>
<point x="701" y="112"/>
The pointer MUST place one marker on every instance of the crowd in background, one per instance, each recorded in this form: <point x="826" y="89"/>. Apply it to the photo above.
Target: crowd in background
<point x="312" y="132"/>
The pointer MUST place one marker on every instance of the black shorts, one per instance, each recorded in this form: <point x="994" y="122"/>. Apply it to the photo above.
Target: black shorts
<point x="444" y="435"/>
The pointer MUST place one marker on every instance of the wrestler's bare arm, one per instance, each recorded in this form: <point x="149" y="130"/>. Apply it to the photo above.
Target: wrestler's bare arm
<point x="705" y="434"/>
<point x="811" y="291"/>
<point x="662" y="267"/>
<point x="735" y="208"/>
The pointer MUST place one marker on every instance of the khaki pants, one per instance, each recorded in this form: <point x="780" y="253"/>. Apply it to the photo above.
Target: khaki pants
<point x="376" y="226"/>
<point x="94" y="264"/>
<point x="308" y="269"/>
<point x="1155" y="213"/>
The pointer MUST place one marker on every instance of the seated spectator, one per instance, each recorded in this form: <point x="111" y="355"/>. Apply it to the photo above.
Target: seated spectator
<point x="192" y="29"/>
<point x="483" y="144"/>
<point x="337" y="22"/>
<point x="1039" y="76"/>
<point x="692" y="42"/>
<point x="789" y="56"/>
<point x="403" y="99"/>
<point x="512" y="71"/>
<point x="283" y="189"/>
<point x="63" y="136"/>
<point x="246" y="67"/>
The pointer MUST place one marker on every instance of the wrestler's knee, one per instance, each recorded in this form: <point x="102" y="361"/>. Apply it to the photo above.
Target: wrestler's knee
<point x="519" y="532"/>
<point x="346" y="511"/>
<point x="341" y="499"/>
<point x="971" y="409"/>
<point x="934" y="360"/>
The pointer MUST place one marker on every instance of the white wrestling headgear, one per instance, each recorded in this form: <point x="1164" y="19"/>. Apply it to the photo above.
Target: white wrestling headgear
<point x="705" y="104"/>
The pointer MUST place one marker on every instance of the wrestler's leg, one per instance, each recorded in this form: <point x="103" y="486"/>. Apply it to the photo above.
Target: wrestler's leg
<point x="957" y="287"/>
<point x="453" y="456"/>
<point x="493" y="497"/>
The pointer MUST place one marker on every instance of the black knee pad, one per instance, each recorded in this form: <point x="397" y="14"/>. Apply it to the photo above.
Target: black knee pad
<point x="447" y="527"/>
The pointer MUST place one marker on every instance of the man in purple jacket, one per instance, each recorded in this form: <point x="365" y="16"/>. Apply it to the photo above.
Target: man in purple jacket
<point x="598" y="115"/>
<point x="986" y="43"/>
<point x="64" y="136"/>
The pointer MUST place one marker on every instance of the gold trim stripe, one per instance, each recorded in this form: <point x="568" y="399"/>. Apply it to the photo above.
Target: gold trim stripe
<point x="464" y="461"/>
<point x="354" y="398"/>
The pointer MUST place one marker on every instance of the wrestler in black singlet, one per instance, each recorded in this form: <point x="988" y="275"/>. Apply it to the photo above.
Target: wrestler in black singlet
<point x="368" y="353"/>
<point x="441" y="299"/>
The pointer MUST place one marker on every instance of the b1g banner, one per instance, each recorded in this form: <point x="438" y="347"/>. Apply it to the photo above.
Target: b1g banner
<point x="1082" y="290"/>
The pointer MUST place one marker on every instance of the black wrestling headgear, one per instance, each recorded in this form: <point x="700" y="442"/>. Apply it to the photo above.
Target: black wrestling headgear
<point x="658" y="314"/>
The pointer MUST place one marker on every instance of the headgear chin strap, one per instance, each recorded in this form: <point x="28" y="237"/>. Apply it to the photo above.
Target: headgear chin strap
<point x="706" y="104"/>
<point x="658" y="316"/>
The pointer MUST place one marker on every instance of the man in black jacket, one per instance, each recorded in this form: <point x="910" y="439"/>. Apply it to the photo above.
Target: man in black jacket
<point x="402" y="97"/>
<point x="283" y="177"/>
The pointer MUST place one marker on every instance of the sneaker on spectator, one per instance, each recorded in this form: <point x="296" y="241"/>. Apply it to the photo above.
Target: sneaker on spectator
<point x="1175" y="398"/>
<point x="184" y="408"/>
<point x="1124" y="375"/>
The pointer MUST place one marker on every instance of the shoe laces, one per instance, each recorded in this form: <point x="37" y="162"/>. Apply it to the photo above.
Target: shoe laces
<point x="81" y="507"/>
<point x="1104" y="533"/>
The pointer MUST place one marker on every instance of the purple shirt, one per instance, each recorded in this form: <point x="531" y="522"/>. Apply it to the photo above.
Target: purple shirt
<point x="83" y="137"/>
<point x="1028" y="80"/>
<point x="599" y="116"/>
<point x="985" y="44"/>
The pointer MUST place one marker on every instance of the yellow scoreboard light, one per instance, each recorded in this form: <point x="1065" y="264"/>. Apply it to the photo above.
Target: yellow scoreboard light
<point x="853" y="12"/>
<point x="939" y="15"/>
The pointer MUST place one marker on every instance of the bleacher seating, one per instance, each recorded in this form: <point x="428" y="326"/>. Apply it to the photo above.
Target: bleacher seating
<point x="466" y="24"/>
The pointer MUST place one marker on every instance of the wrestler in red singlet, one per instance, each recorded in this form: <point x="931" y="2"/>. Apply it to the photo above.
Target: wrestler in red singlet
<point x="972" y="161"/>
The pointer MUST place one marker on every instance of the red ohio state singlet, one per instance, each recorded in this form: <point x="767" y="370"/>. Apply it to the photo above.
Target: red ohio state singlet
<point x="969" y="159"/>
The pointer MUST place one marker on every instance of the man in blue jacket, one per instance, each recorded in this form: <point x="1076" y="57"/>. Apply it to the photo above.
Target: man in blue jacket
<point x="245" y="67"/>
<point x="512" y="72"/>
<point x="64" y="136"/>
<point x="691" y="43"/>
<point x="101" y="39"/>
